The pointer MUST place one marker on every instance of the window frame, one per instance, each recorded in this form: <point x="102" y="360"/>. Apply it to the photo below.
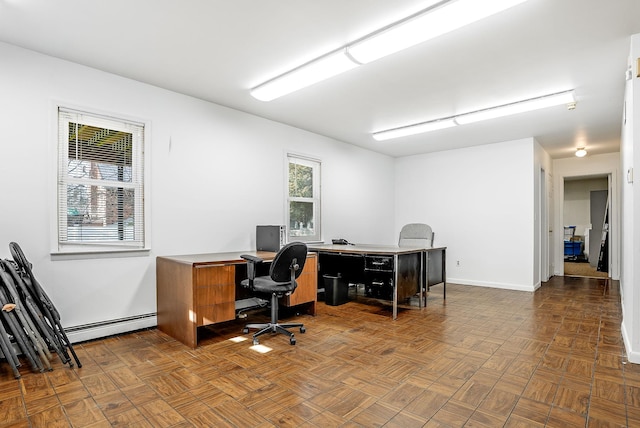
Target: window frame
<point x="316" y="199"/>
<point x="140" y="180"/>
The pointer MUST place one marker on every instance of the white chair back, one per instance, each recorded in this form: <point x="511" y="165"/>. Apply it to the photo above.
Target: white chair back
<point x="416" y="235"/>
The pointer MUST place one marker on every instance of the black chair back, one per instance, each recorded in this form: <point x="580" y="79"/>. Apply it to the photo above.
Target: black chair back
<point x="293" y="252"/>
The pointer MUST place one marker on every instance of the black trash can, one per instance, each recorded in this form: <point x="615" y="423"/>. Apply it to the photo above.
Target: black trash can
<point x="336" y="290"/>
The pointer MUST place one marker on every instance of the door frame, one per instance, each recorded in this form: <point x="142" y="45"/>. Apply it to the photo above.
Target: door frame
<point x="614" y="223"/>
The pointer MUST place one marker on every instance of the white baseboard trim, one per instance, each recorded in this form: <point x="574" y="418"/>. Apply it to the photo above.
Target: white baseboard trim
<point x="98" y="330"/>
<point x="516" y="287"/>
<point x="632" y="356"/>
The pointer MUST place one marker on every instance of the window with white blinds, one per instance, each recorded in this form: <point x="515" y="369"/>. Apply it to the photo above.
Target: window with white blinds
<point x="100" y="181"/>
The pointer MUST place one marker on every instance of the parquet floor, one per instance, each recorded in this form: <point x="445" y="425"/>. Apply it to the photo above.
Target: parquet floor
<point x="485" y="358"/>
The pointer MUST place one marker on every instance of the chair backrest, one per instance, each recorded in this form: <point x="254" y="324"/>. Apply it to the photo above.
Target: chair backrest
<point x="280" y="270"/>
<point x="416" y="235"/>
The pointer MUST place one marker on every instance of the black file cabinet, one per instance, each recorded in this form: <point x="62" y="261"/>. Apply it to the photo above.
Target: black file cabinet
<point x="379" y="277"/>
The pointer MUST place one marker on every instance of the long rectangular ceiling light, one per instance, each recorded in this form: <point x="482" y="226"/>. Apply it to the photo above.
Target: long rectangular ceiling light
<point x="418" y="128"/>
<point x="439" y="17"/>
<point x="426" y="25"/>
<point x="307" y="74"/>
<point x="531" y="104"/>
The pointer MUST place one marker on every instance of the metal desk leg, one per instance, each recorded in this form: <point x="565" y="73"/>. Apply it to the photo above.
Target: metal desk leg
<point x="444" y="274"/>
<point x="395" y="286"/>
<point x="421" y="281"/>
<point x="426" y="277"/>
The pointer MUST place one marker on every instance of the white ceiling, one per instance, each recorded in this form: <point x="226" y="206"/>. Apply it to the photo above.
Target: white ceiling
<point x="217" y="50"/>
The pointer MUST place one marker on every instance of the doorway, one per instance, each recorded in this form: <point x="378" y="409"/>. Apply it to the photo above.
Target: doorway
<point x="586" y="226"/>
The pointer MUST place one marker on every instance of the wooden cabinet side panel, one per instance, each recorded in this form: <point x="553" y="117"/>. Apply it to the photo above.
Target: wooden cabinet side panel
<point x="174" y="288"/>
<point x="307" y="290"/>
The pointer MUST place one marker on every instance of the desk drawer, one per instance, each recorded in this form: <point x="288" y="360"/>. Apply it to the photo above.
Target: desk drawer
<point x="215" y="284"/>
<point x="211" y="314"/>
<point x="214" y="294"/>
<point x="378" y="263"/>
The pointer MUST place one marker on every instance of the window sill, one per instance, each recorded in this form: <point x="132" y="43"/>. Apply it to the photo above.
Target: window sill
<point x="99" y="254"/>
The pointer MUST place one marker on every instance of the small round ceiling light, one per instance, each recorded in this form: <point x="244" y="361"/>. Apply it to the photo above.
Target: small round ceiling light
<point x="581" y="152"/>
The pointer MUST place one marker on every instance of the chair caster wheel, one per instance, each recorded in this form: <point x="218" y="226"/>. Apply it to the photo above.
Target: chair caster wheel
<point x="292" y="341"/>
<point x="245" y="330"/>
<point x="303" y="330"/>
<point x="255" y="342"/>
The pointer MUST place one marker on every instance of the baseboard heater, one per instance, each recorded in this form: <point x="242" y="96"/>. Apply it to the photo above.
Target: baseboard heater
<point x="96" y="330"/>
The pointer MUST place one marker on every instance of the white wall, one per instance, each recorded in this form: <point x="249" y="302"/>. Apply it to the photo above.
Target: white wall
<point x="479" y="202"/>
<point x="215" y="174"/>
<point x="630" y="195"/>
<point x="607" y="164"/>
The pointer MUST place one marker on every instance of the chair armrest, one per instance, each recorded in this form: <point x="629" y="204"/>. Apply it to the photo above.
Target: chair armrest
<point x="250" y="258"/>
<point x="251" y="266"/>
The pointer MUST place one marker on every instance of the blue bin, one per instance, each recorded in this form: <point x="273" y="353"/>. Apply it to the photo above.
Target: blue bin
<point x="572" y="249"/>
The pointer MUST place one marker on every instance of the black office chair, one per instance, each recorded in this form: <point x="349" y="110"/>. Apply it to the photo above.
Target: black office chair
<point x="285" y="269"/>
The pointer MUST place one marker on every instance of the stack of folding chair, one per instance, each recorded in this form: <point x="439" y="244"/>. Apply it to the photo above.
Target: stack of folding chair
<point x="29" y="322"/>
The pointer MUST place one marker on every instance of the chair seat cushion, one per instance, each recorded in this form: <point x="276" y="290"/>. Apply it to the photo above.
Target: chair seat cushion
<point x="264" y="284"/>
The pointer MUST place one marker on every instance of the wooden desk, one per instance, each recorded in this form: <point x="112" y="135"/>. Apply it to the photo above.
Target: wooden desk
<point x="200" y="289"/>
<point x="411" y="269"/>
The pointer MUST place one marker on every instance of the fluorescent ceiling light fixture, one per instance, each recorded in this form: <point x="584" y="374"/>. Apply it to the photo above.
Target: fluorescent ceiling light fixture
<point x="531" y="104"/>
<point x="581" y="152"/>
<point x="418" y="128"/>
<point x="438" y="18"/>
<point x="307" y="74"/>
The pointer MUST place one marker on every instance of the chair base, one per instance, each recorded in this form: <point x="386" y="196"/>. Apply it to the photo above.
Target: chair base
<point x="274" y="326"/>
<point x="275" y="329"/>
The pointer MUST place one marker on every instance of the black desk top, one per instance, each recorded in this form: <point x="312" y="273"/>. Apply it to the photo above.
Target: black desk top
<point x="369" y="249"/>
